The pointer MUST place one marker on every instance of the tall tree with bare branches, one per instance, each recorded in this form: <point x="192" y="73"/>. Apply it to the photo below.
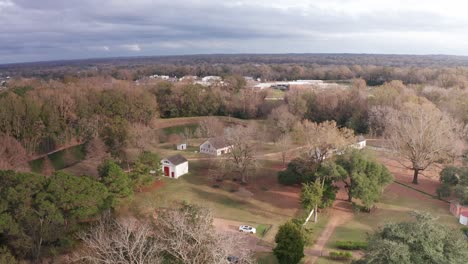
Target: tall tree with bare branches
<point x="241" y="158"/>
<point x="323" y="138"/>
<point x="123" y="240"/>
<point x="421" y="134"/>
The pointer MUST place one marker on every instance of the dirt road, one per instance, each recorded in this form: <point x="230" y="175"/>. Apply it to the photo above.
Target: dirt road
<point x="341" y="212"/>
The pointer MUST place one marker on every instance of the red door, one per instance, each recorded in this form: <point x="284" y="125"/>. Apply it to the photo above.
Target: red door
<point x="166" y="171"/>
<point x="172" y="174"/>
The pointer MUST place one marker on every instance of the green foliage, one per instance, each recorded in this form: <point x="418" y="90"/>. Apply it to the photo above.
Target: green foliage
<point x="311" y="195"/>
<point x="115" y="179"/>
<point x="289" y="244"/>
<point x="449" y="175"/>
<point x="365" y="178"/>
<point x="22" y="90"/>
<point x="114" y="134"/>
<point x="338" y="255"/>
<point x="351" y="245"/>
<point x="299" y="171"/>
<point x="6" y="257"/>
<point x="421" y="241"/>
<point x="455" y="178"/>
<point x="79" y="198"/>
<point x="444" y="191"/>
<point x="39" y="215"/>
<point x="141" y="173"/>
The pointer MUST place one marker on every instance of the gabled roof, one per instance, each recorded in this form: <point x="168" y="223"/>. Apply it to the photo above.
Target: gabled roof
<point x="219" y="142"/>
<point x="177" y="159"/>
<point x="361" y="138"/>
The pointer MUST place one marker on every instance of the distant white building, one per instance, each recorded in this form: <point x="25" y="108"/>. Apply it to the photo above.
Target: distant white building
<point x="211" y="79"/>
<point x="360" y="143"/>
<point x="190" y="78"/>
<point x="175" y="166"/>
<point x="181" y="146"/>
<point x="215" y="146"/>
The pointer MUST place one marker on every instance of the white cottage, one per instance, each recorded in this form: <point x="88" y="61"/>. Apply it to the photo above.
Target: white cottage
<point x="215" y="146"/>
<point x="175" y="166"/>
<point x="360" y="143"/>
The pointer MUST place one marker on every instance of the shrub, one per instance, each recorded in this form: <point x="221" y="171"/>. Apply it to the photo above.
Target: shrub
<point x="337" y="255"/>
<point x="443" y="191"/>
<point x="351" y="245"/>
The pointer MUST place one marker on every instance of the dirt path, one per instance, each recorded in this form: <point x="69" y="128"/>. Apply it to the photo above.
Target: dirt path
<point x="341" y="212"/>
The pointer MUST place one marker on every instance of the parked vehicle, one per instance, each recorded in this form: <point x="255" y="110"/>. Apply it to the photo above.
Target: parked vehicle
<point x="247" y="229"/>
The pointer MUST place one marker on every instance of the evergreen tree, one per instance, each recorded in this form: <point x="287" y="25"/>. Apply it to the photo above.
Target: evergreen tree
<point x="115" y="179"/>
<point x="289" y="244"/>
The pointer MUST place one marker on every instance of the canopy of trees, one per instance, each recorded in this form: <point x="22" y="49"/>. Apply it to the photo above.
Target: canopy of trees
<point x="39" y="215"/>
<point x="420" y="241"/>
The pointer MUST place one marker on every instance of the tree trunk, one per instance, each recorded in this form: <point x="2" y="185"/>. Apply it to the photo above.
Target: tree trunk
<point x="415" y="176"/>
<point x="316" y="214"/>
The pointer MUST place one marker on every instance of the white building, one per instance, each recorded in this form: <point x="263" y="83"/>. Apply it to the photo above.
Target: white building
<point x="215" y="146"/>
<point x="360" y="143"/>
<point x="211" y="79"/>
<point x="181" y="146"/>
<point x="175" y="166"/>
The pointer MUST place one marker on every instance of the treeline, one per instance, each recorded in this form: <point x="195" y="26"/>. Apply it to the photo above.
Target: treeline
<point x="42" y="115"/>
<point x="443" y="71"/>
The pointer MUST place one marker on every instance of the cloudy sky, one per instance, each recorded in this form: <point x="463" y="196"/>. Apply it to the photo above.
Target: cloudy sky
<point x="32" y="30"/>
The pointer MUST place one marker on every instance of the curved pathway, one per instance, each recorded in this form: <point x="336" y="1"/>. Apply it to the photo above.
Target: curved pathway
<point x="340" y="213"/>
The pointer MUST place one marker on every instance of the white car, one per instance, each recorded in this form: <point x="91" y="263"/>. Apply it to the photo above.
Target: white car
<point x="247" y="229"/>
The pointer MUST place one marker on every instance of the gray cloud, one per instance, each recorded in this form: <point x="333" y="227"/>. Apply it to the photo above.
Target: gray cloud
<point x="57" y="29"/>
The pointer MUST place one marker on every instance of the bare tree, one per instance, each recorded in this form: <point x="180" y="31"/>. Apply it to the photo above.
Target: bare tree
<point x="12" y="154"/>
<point x="47" y="167"/>
<point x="211" y="127"/>
<point x="187" y="235"/>
<point x="324" y="138"/>
<point x="241" y="158"/>
<point x="124" y="240"/>
<point x="140" y="136"/>
<point x="422" y="134"/>
<point x="284" y="143"/>
<point x="96" y="149"/>
<point x="281" y="120"/>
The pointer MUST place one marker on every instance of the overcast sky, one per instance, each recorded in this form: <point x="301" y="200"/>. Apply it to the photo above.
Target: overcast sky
<point x="32" y="30"/>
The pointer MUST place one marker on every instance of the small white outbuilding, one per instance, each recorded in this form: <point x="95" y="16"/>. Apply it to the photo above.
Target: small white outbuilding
<point x="360" y="142"/>
<point x="174" y="166"/>
<point x="182" y="146"/>
<point x="464" y="218"/>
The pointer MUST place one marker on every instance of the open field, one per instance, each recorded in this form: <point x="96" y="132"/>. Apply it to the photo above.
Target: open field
<point x="262" y="202"/>
<point x="265" y="204"/>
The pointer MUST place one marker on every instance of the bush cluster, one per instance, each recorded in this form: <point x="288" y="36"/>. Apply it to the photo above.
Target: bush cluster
<point x="337" y="255"/>
<point x="351" y="245"/>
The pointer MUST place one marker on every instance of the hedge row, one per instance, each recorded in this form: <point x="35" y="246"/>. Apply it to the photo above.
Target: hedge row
<point x="351" y="245"/>
<point x="337" y="255"/>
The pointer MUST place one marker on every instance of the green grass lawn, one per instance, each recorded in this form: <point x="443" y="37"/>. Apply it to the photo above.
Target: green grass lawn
<point x="393" y="207"/>
<point x="326" y="260"/>
<point x="196" y="187"/>
<point x="180" y="129"/>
